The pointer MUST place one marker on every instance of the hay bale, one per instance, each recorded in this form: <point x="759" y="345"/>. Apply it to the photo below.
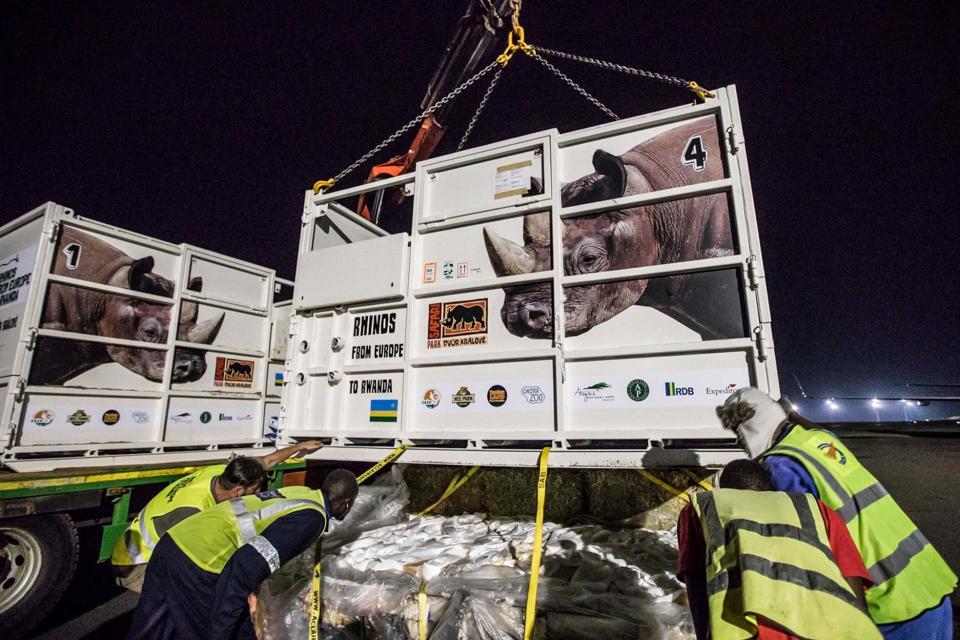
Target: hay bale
<point x="513" y="492"/>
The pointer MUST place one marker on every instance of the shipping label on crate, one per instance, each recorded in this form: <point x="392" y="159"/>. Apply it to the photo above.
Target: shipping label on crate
<point x="372" y="400"/>
<point x="376" y="336"/>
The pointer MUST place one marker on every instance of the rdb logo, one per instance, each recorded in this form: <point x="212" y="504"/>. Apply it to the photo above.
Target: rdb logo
<point x="671" y="389"/>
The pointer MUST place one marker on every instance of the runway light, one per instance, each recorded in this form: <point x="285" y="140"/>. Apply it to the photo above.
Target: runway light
<point x="794" y="407"/>
<point x="875" y="403"/>
<point x="833" y="406"/>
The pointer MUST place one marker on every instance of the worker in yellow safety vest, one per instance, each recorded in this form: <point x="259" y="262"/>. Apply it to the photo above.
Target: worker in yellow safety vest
<point x="203" y="571"/>
<point x="770" y="565"/>
<point x="912" y="583"/>
<point x="191" y="494"/>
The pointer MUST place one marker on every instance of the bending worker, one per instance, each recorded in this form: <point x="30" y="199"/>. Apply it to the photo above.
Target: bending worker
<point x="912" y="583"/>
<point x="190" y="494"/>
<point x="203" y="571"/>
<point x="770" y="565"/>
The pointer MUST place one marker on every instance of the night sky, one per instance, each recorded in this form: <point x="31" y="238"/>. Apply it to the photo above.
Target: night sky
<point x="204" y="122"/>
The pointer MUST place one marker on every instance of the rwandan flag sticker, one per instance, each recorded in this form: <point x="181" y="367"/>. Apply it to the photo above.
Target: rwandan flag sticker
<point x="383" y="411"/>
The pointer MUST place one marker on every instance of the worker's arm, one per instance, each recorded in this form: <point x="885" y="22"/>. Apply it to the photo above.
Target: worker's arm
<point x="786" y="474"/>
<point x="288" y="537"/>
<point x="271" y="460"/>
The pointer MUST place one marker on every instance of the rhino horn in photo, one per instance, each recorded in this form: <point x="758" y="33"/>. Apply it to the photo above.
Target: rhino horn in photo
<point x="507" y="258"/>
<point x="205" y="332"/>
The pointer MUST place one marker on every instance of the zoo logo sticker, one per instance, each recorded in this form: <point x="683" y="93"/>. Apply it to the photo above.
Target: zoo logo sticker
<point x="233" y="373"/>
<point x="497" y="396"/>
<point x="448" y="270"/>
<point x="140" y="417"/>
<point x="638" y="390"/>
<point x="463" y="398"/>
<point x="43" y="417"/>
<point x="185" y="417"/>
<point x="533" y="394"/>
<point x="110" y="417"/>
<point x="431" y="398"/>
<point x="78" y="417"/>
<point x="457" y="324"/>
<point x="206" y="417"/>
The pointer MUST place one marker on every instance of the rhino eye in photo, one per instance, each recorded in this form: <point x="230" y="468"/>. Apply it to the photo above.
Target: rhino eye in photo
<point x="150" y="331"/>
<point x="590" y="259"/>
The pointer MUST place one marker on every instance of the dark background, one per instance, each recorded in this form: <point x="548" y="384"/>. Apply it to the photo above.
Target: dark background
<point x="204" y="122"/>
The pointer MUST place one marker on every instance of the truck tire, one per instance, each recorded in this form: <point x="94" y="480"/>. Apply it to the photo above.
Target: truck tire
<point x="38" y="556"/>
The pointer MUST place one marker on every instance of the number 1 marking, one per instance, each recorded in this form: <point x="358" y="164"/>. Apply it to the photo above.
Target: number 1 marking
<point x="72" y="251"/>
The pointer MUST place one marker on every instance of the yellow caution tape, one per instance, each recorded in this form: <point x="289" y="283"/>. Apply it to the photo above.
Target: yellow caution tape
<point x="663" y="485"/>
<point x="315" y="598"/>
<point x="451" y="489"/>
<point x="702" y="94"/>
<point x="422" y="613"/>
<point x="702" y="482"/>
<point x="393" y="455"/>
<point x="531" y="614"/>
<point x="323" y="184"/>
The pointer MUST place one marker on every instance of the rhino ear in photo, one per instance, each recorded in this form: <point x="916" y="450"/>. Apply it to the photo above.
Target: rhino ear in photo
<point x="195" y="284"/>
<point x="137" y="276"/>
<point x="611" y="167"/>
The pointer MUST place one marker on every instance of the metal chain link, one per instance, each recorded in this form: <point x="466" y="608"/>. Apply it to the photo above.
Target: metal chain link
<point x="616" y="67"/>
<point x="576" y="87"/>
<point x="476" y="114"/>
<point x="402" y="130"/>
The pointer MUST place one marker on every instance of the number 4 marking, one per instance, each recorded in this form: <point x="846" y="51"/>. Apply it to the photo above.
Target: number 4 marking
<point x="695" y="154"/>
<point x="72" y="251"/>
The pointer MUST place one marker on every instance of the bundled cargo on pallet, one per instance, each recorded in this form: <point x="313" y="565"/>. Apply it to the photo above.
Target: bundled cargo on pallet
<point x="116" y="347"/>
<point x="595" y="581"/>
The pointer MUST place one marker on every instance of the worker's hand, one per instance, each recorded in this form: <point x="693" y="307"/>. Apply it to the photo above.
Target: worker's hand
<point x="309" y="446"/>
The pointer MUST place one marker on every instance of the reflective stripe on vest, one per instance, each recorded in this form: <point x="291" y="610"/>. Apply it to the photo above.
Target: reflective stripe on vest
<point x="908" y="573"/>
<point x="210" y="538"/>
<point x="772" y="549"/>
<point x="137" y="543"/>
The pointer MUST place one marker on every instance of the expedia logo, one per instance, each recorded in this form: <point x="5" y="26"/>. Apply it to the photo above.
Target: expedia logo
<point x="671" y="389"/>
<point x="829" y="450"/>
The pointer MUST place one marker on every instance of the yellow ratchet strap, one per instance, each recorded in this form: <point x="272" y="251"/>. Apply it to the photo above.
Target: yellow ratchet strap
<point x="422" y="613"/>
<point x="454" y="486"/>
<point x="319" y="185"/>
<point x="663" y="485"/>
<point x="393" y="455"/>
<point x="315" y="598"/>
<point x="701" y="93"/>
<point x="703" y="483"/>
<point x="531" y="614"/>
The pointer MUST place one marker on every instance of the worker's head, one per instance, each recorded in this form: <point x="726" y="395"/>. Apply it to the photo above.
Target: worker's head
<point x="754" y="417"/>
<point x="340" y="487"/>
<point x="242" y="477"/>
<point x="745" y="474"/>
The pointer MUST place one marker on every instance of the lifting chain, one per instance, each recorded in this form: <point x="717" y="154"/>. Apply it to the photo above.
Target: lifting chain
<point x="476" y="114"/>
<point x="603" y="64"/>
<point x="576" y="87"/>
<point x="325" y="184"/>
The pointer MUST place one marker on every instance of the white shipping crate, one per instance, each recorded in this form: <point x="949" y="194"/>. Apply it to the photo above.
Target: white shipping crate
<point x="599" y="292"/>
<point x="120" y="348"/>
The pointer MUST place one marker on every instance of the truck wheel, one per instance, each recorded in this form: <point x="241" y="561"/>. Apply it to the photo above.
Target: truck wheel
<point x="38" y="555"/>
